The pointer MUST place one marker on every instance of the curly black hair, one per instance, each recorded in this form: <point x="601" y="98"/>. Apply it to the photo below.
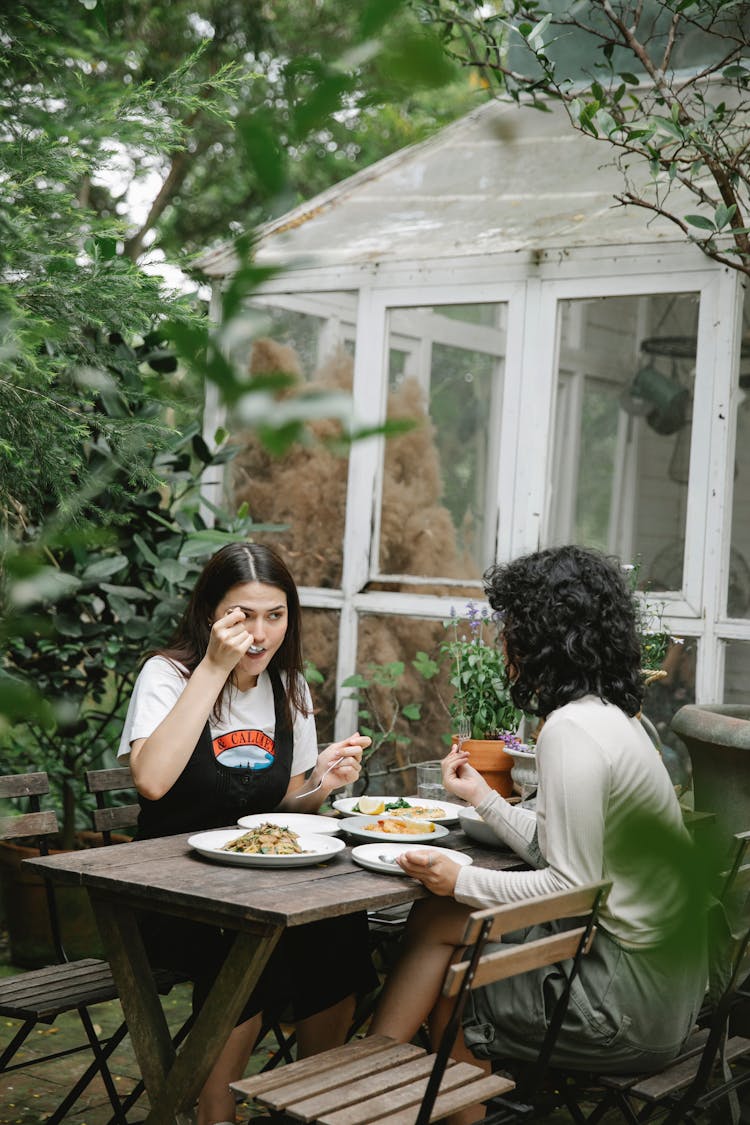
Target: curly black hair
<point x="568" y="619"/>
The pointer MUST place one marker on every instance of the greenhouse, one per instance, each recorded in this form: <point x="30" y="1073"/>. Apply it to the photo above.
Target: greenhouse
<point x="575" y="367"/>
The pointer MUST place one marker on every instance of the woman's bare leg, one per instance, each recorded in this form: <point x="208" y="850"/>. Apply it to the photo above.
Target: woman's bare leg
<point x="216" y="1101"/>
<point x="439" y="1017"/>
<point x="325" y="1029"/>
<point x="434" y="930"/>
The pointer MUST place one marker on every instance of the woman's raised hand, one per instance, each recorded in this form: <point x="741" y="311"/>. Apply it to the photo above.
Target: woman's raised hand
<point x="344" y="759"/>
<point x="229" y="640"/>
<point x="462" y="779"/>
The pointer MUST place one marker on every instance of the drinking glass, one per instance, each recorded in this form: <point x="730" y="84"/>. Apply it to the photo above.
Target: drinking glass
<point x="430" y="781"/>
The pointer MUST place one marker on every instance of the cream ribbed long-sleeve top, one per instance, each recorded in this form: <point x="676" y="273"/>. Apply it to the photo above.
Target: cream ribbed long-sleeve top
<point x="596" y="766"/>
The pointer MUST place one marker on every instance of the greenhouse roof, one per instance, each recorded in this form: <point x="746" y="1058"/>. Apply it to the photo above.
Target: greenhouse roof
<point x="505" y="179"/>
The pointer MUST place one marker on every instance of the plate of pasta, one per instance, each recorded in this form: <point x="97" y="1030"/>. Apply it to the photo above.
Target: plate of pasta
<point x="265" y="845"/>
<point x="399" y="829"/>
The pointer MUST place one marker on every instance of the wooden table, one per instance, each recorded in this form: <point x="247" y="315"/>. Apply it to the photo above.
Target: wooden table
<point x="166" y="876"/>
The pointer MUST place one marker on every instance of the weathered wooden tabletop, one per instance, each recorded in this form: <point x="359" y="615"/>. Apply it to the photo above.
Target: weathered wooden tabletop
<point x="168" y="877"/>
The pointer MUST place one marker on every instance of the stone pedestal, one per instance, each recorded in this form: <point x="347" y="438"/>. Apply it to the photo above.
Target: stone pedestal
<point x="717" y="737"/>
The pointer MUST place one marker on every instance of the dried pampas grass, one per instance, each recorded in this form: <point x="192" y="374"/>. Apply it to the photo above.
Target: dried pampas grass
<point x="306" y="489"/>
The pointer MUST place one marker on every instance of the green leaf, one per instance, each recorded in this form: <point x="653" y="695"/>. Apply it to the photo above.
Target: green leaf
<point x="259" y="137"/>
<point x="668" y="126"/>
<point x="417" y="59"/>
<point x="412" y="711"/>
<point x="172" y="570"/>
<point x="104" y="568"/>
<point x="723" y="215"/>
<point x="376" y="15"/>
<point x="700" y="221"/>
<point x="320" y="103"/>
<point x="736" y="70"/>
<point x="145" y="550"/>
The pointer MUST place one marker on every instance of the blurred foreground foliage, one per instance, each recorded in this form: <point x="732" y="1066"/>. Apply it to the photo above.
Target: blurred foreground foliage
<point x="217" y="114"/>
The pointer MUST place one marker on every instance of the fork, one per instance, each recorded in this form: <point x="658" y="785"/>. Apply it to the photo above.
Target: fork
<point x="317" y="787"/>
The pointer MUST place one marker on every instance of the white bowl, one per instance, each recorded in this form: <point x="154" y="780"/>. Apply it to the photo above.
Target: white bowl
<point x="478" y="829"/>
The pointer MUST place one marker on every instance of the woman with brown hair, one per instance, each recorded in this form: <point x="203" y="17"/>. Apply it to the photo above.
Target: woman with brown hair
<point x="220" y="725"/>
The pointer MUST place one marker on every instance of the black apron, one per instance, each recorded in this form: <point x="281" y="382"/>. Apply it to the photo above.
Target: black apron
<point x="208" y="794"/>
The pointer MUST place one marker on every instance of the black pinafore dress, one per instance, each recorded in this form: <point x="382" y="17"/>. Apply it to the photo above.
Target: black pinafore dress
<point x="208" y="795"/>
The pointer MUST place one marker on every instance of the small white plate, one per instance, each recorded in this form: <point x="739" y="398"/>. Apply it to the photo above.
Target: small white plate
<point x="315" y="849"/>
<point x="346" y="805"/>
<point x="357" y="826"/>
<point x="370" y="856"/>
<point x="298" y="822"/>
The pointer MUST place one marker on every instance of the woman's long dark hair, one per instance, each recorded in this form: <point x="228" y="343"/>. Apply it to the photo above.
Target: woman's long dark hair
<point x="569" y="624"/>
<point x="233" y="565"/>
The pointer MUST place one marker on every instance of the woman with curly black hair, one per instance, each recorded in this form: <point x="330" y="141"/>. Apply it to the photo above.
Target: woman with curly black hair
<point x="568" y="630"/>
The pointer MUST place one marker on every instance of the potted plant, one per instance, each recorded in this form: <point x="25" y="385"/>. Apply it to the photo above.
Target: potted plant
<point x="482" y="709"/>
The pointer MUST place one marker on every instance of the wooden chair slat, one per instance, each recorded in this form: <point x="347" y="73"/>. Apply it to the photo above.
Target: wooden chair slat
<point x="693" y="1047"/>
<point x="680" y="1075"/>
<point x="24" y="785"/>
<point x="385" y="1063"/>
<point x="545" y="908"/>
<point x="452" y="1101"/>
<point x="28" y="824"/>
<point x="354" y="1087"/>
<point x="104" y="781"/>
<point x="337" y="1056"/>
<point x="504" y="963"/>
<point x="124" y="816"/>
<point x="410" y="1094"/>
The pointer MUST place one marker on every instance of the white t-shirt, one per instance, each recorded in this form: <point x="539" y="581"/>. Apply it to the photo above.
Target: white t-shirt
<point x="243" y="736"/>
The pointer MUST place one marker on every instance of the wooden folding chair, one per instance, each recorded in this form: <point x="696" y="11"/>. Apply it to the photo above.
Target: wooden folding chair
<point x="41" y="995"/>
<point x="376" y="1080"/>
<point x="706" y="1073"/>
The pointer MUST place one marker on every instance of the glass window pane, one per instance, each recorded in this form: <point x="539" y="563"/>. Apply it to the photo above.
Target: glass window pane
<point x="738" y="600"/>
<point x="736" y="671"/>
<point x="310" y="336"/>
<point x="320" y="641"/>
<point x="386" y="647"/>
<point x="622" y="430"/>
<point x="446" y="366"/>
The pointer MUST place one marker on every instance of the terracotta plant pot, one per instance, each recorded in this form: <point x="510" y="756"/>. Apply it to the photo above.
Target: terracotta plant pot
<point x="488" y="757"/>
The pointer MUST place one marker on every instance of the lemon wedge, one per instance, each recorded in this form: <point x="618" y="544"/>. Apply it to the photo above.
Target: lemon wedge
<point x="370" y="806"/>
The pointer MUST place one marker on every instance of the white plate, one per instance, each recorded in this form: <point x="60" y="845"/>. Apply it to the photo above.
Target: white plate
<point x="297" y="821"/>
<point x="315" y="849"/>
<point x="356" y="826"/>
<point x="346" y="805"/>
<point x="369" y="855"/>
